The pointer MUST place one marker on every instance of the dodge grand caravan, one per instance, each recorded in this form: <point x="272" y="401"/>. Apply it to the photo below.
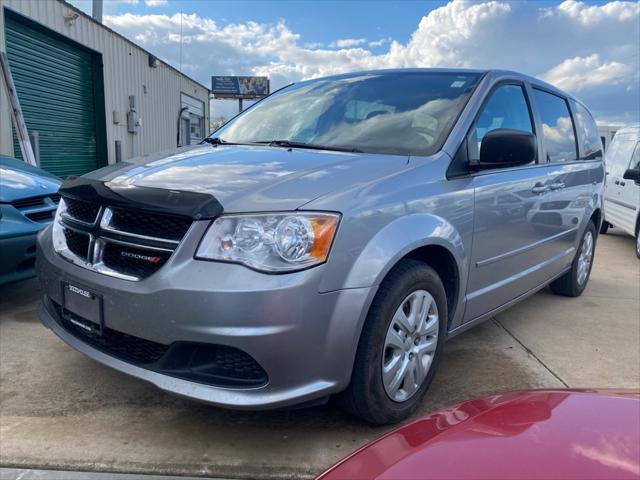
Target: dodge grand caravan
<point x="328" y="240"/>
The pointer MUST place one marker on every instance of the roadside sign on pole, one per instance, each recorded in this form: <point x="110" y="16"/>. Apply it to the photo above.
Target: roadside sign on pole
<point x="246" y="88"/>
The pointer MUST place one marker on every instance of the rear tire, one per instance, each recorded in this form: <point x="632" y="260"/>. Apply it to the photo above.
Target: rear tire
<point x="573" y="283"/>
<point x="604" y="228"/>
<point x="399" y="348"/>
<point x="638" y="240"/>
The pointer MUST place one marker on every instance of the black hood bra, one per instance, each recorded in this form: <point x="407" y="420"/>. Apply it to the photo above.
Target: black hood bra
<point x="195" y="205"/>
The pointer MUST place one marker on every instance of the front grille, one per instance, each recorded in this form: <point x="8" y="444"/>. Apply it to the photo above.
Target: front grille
<point x="28" y="202"/>
<point x="77" y="242"/>
<point x="556" y="205"/>
<point x="86" y="212"/>
<point x="129" y="244"/>
<point x="149" y="224"/>
<point x="35" y="201"/>
<point x="137" y="262"/>
<point x="42" y="216"/>
<point x="38" y="209"/>
<point x="217" y="365"/>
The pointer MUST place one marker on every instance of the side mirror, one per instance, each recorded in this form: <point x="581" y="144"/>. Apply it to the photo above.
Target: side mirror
<point x="632" y="174"/>
<point x="507" y="148"/>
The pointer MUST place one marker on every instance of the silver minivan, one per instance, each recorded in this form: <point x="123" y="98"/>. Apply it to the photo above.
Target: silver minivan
<point x="328" y="240"/>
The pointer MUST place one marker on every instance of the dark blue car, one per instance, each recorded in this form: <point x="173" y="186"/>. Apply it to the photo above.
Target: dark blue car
<point x="28" y="202"/>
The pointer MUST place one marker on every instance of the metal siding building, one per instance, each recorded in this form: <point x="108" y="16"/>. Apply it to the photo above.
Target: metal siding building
<point x="74" y="78"/>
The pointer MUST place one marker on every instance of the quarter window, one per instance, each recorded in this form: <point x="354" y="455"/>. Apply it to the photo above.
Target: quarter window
<point x="587" y="133"/>
<point x="557" y="127"/>
<point x="507" y="108"/>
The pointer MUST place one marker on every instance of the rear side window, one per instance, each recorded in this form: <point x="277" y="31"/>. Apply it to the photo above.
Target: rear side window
<point x="587" y="133"/>
<point x="507" y="108"/>
<point x="557" y="127"/>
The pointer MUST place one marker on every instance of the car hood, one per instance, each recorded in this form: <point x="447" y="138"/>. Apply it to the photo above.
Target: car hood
<point x="19" y="180"/>
<point x="251" y="178"/>
<point x="544" y="434"/>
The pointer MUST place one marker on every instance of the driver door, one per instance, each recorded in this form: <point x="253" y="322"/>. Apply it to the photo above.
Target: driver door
<point x="508" y="251"/>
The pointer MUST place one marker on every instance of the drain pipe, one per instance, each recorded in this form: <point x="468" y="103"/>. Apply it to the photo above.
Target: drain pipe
<point x="182" y="110"/>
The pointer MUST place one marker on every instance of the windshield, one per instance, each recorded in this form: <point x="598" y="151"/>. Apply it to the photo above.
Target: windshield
<point x="403" y="113"/>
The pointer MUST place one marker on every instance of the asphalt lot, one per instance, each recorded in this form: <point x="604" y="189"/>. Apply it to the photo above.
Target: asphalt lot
<point x="61" y="410"/>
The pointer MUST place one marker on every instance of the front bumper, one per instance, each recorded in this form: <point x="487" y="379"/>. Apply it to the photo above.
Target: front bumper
<point x="304" y="340"/>
<point x="17" y="258"/>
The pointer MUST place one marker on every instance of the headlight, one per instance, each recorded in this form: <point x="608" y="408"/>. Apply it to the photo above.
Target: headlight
<point x="59" y="240"/>
<point x="580" y="202"/>
<point x="278" y="242"/>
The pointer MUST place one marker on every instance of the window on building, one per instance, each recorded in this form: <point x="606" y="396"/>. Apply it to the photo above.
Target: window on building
<point x="557" y="127"/>
<point x="192" y="126"/>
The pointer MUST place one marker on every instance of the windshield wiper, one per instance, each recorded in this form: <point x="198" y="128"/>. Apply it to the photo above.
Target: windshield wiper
<point x="214" y="141"/>
<point x="312" y="146"/>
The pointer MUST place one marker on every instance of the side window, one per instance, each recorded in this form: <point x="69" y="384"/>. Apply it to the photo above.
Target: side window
<point x="557" y="127"/>
<point x="619" y="154"/>
<point x="507" y="108"/>
<point x="587" y="133"/>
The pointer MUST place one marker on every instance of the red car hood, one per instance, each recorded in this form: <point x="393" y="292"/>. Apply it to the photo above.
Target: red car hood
<point x="547" y="434"/>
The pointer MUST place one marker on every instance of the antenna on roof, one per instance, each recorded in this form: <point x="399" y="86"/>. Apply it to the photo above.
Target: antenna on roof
<point x="181" y="44"/>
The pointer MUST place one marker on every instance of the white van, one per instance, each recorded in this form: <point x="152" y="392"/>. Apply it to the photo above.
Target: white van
<point x="622" y="191"/>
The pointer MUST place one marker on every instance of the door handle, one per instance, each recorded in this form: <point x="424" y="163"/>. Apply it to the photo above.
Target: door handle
<point x="557" y="186"/>
<point x="622" y="184"/>
<point x="538" y="189"/>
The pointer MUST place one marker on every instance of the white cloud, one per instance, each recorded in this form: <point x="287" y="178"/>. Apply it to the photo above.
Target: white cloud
<point x="379" y="43"/>
<point x="615" y="11"/>
<point x="579" y="73"/>
<point x="155" y="3"/>
<point x="591" y="50"/>
<point x="348" y="42"/>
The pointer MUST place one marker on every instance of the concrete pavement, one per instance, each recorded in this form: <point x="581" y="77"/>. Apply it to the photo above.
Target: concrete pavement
<point x="61" y="410"/>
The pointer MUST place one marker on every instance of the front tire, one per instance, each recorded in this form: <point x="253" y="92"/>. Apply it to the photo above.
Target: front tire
<point x="604" y="228"/>
<point x="573" y="283"/>
<point x="400" y="346"/>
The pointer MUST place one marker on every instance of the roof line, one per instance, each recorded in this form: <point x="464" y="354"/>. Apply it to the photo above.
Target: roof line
<point x="90" y="18"/>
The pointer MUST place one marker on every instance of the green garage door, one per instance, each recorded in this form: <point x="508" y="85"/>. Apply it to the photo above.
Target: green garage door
<point x="55" y="84"/>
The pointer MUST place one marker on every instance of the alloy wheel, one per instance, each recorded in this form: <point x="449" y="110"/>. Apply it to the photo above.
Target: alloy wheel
<point x="410" y="345"/>
<point x="585" y="258"/>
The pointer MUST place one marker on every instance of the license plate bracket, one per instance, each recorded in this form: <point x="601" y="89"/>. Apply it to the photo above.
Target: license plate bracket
<point x="82" y="308"/>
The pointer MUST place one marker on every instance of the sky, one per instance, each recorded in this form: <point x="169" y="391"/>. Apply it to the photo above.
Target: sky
<point x="591" y="49"/>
